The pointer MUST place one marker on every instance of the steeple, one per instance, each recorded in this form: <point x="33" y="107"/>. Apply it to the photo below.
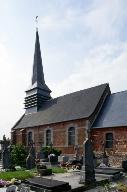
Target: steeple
<point x="38" y="91"/>
<point x="38" y="75"/>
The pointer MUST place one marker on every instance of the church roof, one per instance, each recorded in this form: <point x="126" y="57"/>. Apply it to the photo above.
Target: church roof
<point x="77" y="105"/>
<point x="114" y="111"/>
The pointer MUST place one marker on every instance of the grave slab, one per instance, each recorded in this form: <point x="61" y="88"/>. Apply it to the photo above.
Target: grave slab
<point x="40" y="183"/>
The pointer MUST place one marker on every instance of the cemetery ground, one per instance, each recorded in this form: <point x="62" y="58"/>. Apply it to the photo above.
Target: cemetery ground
<point x="48" y="171"/>
<point x="73" y="177"/>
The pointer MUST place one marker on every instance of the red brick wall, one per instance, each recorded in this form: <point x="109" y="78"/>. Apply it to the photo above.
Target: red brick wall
<point x="119" y="150"/>
<point x="59" y="135"/>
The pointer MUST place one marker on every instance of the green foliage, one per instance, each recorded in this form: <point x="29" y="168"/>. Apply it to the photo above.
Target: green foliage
<point x="20" y="175"/>
<point x="18" y="155"/>
<point x="58" y="170"/>
<point x="49" y="150"/>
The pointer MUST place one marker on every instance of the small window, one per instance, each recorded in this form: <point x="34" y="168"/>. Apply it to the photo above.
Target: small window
<point x="30" y="139"/>
<point x="109" y="140"/>
<point x="71" y="136"/>
<point x="48" y="137"/>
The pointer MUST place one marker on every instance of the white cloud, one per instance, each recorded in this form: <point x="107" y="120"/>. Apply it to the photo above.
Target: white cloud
<point x="102" y="65"/>
<point x="105" y="19"/>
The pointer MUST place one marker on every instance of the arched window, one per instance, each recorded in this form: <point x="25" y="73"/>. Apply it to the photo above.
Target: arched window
<point x="109" y="140"/>
<point x="71" y="136"/>
<point x="48" y="137"/>
<point x="29" y="138"/>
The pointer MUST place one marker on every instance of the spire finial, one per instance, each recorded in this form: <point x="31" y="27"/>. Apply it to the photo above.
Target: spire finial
<point x="36" y="20"/>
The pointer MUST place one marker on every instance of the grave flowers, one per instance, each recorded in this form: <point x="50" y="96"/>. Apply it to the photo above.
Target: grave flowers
<point x="3" y="183"/>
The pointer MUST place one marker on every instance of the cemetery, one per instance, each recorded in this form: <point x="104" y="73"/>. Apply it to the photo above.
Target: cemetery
<point x="49" y="172"/>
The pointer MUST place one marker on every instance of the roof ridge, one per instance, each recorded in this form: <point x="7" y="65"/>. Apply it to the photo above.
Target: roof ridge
<point x="80" y="90"/>
<point x="119" y="92"/>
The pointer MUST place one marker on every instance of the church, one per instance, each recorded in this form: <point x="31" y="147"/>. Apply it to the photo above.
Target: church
<point x="65" y="121"/>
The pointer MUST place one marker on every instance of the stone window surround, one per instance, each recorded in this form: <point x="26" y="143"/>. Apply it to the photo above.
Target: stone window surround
<point x="76" y="134"/>
<point x="45" y="135"/>
<point x="30" y="130"/>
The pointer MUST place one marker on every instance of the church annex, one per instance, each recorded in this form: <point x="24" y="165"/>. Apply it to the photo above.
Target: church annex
<point x="66" y="120"/>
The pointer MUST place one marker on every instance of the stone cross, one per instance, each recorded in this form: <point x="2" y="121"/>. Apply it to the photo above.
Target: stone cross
<point x="87" y="173"/>
<point x="30" y="160"/>
<point x="89" y="163"/>
<point x="6" y="155"/>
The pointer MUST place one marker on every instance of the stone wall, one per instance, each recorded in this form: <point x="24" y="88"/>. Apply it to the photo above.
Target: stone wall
<point x="118" y="152"/>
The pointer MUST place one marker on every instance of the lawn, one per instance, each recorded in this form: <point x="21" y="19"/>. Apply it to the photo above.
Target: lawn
<point x="20" y="175"/>
<point x="58" y="170"/>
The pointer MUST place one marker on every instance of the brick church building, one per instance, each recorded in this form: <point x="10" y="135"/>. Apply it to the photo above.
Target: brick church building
<point x="66" y="120"/>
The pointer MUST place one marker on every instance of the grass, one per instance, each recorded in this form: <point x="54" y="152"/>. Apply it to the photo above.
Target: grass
<point x="20" y="175"/>
<point x="58" y="170"/>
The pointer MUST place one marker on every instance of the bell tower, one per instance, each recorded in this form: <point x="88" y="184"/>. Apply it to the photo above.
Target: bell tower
<point x="38" y="92"/>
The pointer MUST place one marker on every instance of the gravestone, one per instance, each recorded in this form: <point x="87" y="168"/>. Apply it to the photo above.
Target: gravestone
<point x="88" y="172"/>
<point x="89" y="163"/>
<point x="63" y="159"/>
<point x="76" y="148"/>
<point x="30" y="160"/>
<point x="11" y="188"/>
<point x="25" y="189"/>
<point x="105" y="159"/>
<point x="41" y="155"/>
<point x="6" y="153"/>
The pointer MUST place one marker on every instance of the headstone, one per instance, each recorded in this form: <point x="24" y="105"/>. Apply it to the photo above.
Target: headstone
<point x="76" y="148"/>
<point x="63" y="159"/>
<point x="25" y="189"/>
<point x="41" y="155"/>
<point x="20" y="186"/>
<point x="30" y="160"/>
<point x="6" y="153"/>
<point x="11" y="188"/>
<point x="88" y="172"/>
<point x="105" y="159"/>
<point x="89" y="163"/>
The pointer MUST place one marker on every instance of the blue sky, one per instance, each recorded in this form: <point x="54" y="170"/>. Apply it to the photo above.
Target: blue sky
<point x="83" y="43"/>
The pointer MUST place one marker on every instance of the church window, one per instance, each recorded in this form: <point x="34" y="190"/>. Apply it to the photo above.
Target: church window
<point x="71" y="136"/>
<point x="109" y="140"/>
<point x="48" y="137"/>
<point x="30" y="138"/>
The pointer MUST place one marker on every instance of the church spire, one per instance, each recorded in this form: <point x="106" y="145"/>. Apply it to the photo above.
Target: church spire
<point x="38" y="75"/>
<point x="38" y="92"/>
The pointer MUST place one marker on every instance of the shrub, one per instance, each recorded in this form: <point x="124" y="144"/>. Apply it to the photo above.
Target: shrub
<point x="50" y="150"/>
<point x="18" y="155"/>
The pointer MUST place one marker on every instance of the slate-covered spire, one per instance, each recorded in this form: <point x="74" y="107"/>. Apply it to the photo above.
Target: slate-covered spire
<point x="38" y="75"/>
<point x="38" y="91"/>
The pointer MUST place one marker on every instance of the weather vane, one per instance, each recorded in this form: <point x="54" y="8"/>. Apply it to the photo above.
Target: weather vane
<point x="36" y="20"/>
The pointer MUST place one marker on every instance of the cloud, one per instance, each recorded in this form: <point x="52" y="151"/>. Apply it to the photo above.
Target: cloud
<point x="11" y="93"/>
<point x="101" y="20"/>
<point x="104" y="64"/>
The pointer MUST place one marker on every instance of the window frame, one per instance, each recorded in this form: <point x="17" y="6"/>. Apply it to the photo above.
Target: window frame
<point x="109" y="138"/>
<point x="71" y="136"/>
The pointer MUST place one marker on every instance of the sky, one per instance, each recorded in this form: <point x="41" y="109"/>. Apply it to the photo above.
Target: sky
<point x="83" y="44"/>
